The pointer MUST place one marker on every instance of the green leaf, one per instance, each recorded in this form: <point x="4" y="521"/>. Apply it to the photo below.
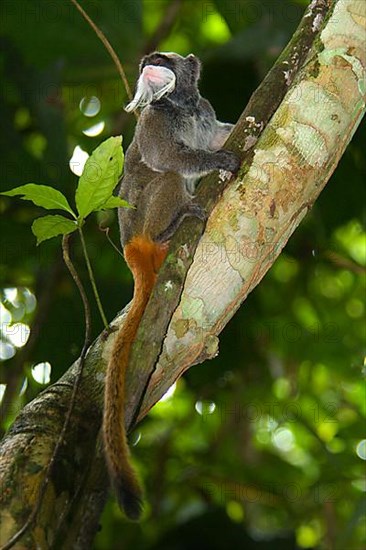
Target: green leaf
<point x="115" y="202"/>
<point x="100" y="176"/>
<point x="51" y="226"/>
<point x="41" y="195"/>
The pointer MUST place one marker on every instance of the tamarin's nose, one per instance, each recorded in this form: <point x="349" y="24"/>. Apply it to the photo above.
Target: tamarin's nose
<point x="153" y="74"/>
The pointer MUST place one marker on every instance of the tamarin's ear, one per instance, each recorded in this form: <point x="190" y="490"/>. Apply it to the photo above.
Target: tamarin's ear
<point x="195" y="67"/>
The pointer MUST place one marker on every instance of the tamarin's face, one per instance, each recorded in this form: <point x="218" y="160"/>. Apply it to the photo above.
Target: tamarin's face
<point x="161" y="74"/>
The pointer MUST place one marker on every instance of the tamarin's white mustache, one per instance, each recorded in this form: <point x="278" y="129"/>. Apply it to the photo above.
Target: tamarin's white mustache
<point x="149" y="90"/>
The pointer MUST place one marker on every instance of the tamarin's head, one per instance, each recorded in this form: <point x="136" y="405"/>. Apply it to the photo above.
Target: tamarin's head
<point x="166" y="74"/>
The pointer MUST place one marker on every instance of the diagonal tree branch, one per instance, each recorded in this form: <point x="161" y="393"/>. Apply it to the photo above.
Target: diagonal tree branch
<point x="253" y="120"/>
<point x="292" y="162"/>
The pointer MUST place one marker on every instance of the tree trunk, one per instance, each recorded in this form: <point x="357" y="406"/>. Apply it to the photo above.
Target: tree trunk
<point x="317" y="92"/>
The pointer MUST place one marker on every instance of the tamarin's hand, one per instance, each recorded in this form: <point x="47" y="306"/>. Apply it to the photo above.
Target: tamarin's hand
<point x="227" y="160"/>
<point x="177" y="140"/>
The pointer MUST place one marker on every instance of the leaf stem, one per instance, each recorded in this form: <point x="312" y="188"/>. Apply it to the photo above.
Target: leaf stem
<point x="92" y="278"/>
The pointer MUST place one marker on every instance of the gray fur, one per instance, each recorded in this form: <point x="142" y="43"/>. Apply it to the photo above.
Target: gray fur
<point x="177" y="140"/>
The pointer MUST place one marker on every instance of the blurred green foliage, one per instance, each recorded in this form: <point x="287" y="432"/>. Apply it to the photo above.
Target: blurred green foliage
<point x="263" y="447"/>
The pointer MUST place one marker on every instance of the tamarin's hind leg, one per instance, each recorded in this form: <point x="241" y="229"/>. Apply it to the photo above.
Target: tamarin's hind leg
<point x="160" y="202"/>
<point x="190" y="209"/>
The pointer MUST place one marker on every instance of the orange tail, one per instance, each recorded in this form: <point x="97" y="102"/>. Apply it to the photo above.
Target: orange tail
<point x="144" y="258"/>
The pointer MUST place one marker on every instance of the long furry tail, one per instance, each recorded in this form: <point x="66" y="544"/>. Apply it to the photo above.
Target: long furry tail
<point x="144" y="258"/>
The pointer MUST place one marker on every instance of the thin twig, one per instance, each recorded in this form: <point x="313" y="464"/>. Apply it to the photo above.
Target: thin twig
<point x="14" y="375"/>
<point x="171" y="13"/>
<point x="345" y="263"/>
<point x="108" y="47"/>
<point x="106" y="231"/>
<point x="87" y="341"/>
<point x="92" y="278"/>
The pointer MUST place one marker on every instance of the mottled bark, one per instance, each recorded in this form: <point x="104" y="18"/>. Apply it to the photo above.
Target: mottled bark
<point x="291" y="163"/>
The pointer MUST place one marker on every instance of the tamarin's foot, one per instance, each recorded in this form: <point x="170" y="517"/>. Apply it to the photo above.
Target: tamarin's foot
<point x="197" y="211"/>
<point x="189" y="209"/>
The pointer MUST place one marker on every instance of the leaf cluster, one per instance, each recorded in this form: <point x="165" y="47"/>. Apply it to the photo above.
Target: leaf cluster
<point x="94" y="192"/>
